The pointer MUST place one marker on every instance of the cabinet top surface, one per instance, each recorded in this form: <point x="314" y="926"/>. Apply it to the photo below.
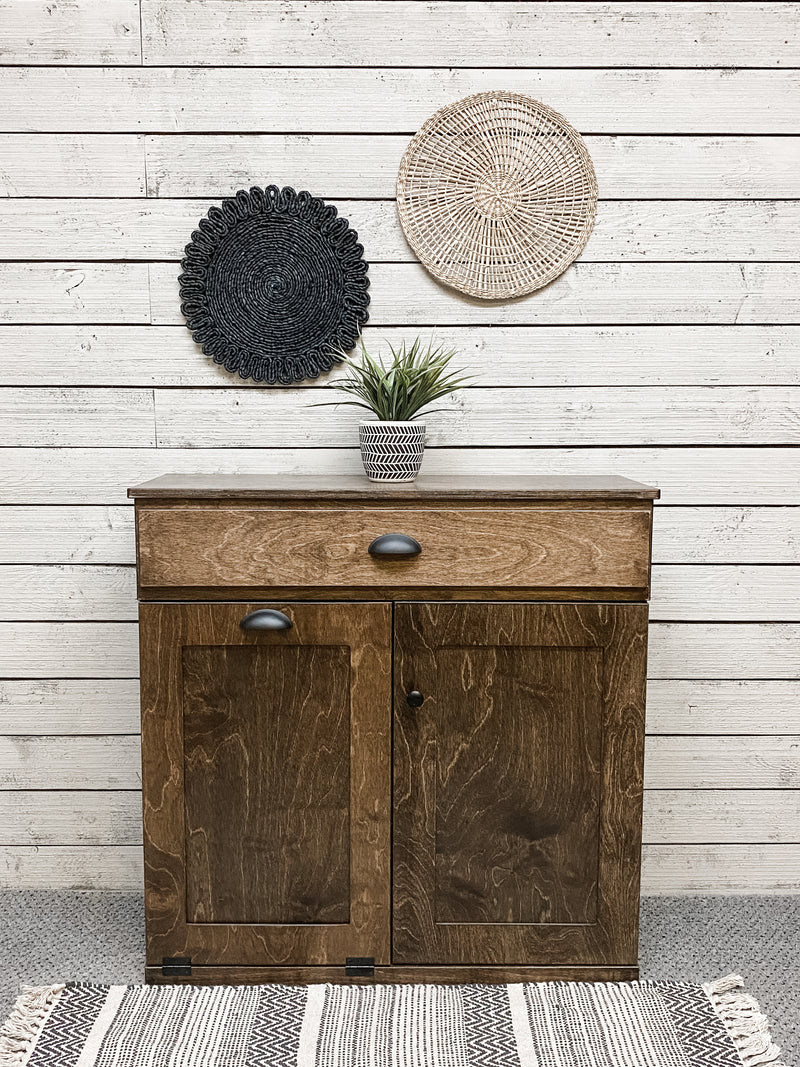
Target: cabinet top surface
<point x="359" y="488"/>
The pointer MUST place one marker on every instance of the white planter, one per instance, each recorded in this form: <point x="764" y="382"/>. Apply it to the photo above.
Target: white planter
<point x="391" y="451"/>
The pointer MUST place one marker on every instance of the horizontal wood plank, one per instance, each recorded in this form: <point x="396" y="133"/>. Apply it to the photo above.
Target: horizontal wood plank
<point x="70" y="763"/>
<point x="723" y="816"/>
<point x="682" y="816"/>
<point x="723" y="650"/>
<point x="388" y="100"/>
<point x="722" y="763"/>
<point x="502" y="34"/>
<point x="69" y="706"/>
<point x="67" y="593"/>
<point x="67" y="535"/>
<point x="541" y="417"/>
<point x="69" y="650"/>
<point x="726" y="535"/>
<point x="693" y="593"/>
<point x="68" y="292"/>
<point x="722" y="707"/>
<point x="625" y="231"/>
<point x="515" y="355"/>
<point x="404" y="294"/>
<point x="71" y="165"/>
<point x="39" y="417"/>
<point x="61" y="817"/>
<point x="114" y="762"/>
<point x="82" y="31"/>
<point x="676" y="650"/>
<point x="112" y="868"/>
<point x="208" y="418"/>
<point x="697" y="535"/>
<point x="356" y="165"/>
<point x="717" y="870"/>
<point x="667" y="869"/>
<point x="725" y="593"/>
<point x="728" y="476"/>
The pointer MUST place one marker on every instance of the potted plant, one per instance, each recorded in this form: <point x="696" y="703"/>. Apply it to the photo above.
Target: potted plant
<point x="396" y="392"/>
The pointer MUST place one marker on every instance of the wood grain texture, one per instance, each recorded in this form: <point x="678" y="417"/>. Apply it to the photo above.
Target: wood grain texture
<point x="677" y="650"/>
<point x="357" y="165"/>
<point x="624" y="231"/>
<point x="77" y="817"/>
<point x="99" y="292"/>
<point x="721" y="869"/>
<point x="70" y="706"/>
<point x="698" y="535"/>
<point x="70" y="165"/>
<point x="726" y="816"/>
<point x="403" y="294"/>
<point x="174" y="896"/>
<point x="713" y="535"/>
<point x="120" y="417"/>
<point x="33" y="31"/>
<point x="389" y="99"/>
<point x="74" y="535"/>
<point x="69" y="763"/>
<point x="477" y="547"/>
<point x="542" y="417"/>
<point x="407" y="33"/>
<point x="708" y="869"/>
<point x="67" y="593"/>
<point x="724" y="650"/>
<point x="466" y="552"/>
<point x="413" y="975"/>
<point x="722" y="707"/>
<point x="266" y="740"/>
<point x="427" y="637"/>
<point x="724" y="476"/>
<point x="147" y="356"/>
<point x="723" y="762"/>
<point x="69" y="650"/>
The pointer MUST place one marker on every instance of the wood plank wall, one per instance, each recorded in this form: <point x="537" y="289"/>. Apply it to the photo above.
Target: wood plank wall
<point x="669" y="353"/>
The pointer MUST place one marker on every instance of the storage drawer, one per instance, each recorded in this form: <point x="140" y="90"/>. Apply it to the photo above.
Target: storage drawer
<point x="462" y="548"/>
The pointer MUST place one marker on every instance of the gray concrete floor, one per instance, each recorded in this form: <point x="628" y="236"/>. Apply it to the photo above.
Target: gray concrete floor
<point x="48" y="936"/>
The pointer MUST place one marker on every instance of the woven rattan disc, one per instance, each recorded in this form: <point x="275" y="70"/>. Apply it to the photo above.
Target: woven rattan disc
<point x="274" y="283"/>
<point x="497" y="194"/>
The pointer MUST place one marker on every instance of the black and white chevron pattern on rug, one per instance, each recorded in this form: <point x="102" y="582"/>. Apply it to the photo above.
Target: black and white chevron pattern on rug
<point x="549" y="1024"/>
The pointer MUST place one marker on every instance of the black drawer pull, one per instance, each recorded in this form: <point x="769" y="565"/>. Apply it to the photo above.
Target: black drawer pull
<point x="395" y="546"/>
<point x="266" y="619"/>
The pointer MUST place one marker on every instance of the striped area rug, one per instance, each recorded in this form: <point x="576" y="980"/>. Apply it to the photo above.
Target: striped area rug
<point x="553" y="1024"/>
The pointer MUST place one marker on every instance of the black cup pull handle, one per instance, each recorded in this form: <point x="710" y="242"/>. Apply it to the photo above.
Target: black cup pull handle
<point x="395" y="546"/>
<point x="266" y="619"/>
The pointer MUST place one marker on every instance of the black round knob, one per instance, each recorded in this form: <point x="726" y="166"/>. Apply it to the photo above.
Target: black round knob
<point x="414" y="699"/>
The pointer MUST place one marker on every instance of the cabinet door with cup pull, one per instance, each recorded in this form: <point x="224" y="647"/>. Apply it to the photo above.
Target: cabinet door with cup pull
<point x="266" y="777"/>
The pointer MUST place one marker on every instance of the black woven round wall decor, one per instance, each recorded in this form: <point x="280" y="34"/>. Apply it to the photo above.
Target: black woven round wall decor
<point x="273" y="283"/>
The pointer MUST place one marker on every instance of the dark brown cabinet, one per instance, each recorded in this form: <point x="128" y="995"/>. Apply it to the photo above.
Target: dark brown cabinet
<point x="430" y="766"/>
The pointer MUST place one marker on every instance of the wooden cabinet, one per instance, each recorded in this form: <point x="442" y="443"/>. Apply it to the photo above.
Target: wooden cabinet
<point x="429" y="765"/>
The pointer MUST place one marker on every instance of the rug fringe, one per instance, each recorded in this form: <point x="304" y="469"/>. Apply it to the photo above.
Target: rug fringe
<point x="19" y="1032"/>
<point x="744" y="1021"/>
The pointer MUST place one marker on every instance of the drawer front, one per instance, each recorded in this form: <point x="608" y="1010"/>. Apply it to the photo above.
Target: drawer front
<point x="462" y="548"/>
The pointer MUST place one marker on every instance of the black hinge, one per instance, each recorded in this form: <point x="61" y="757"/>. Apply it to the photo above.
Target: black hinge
<point x="360" y="966"/>
<point x="171" y="966"/>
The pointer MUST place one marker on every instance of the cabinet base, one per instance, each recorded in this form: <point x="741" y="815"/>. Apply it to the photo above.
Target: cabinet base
<point x="388" y="973"/>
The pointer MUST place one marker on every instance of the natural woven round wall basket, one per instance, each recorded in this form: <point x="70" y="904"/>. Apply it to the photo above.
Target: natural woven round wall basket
<point x="497" y="195"/>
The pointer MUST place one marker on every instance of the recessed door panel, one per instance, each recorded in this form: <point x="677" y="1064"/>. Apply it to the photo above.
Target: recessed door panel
<point x="517" y="790"/>
<point x="267" y="784"/>
<point x="266" y="737"/>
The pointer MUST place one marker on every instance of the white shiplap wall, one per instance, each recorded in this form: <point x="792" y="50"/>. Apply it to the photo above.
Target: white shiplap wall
<point x="669" y="353"/>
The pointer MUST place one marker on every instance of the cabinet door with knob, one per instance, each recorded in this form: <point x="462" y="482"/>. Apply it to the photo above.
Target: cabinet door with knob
<point x="266" y="749"/>
<point x="519" y="730"/>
